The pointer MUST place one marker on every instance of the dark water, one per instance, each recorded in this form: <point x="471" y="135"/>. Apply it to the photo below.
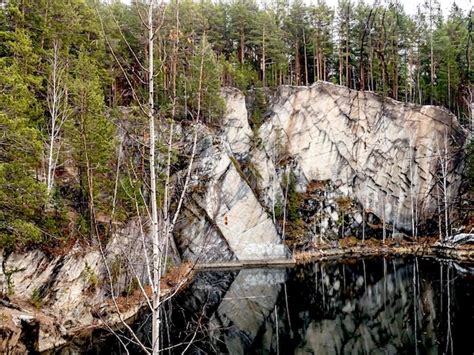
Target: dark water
<point x="365" y="306"/>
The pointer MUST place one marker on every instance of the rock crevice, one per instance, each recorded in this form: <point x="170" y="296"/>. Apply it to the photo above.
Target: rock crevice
<point x="385" y="153"/>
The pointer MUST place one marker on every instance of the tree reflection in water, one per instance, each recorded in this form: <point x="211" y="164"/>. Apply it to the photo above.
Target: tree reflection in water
<point x="372" y="305"/>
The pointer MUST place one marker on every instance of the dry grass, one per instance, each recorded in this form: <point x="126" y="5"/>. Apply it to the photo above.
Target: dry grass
<point x="349" y="242"/>
<point x="177" y="277"/>
<point x="344" y="202"/>
<point x="316" y="185"/>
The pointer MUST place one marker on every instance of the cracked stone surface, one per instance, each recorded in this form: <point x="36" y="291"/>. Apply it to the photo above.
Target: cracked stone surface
<point x="224" y="219"/>
<point x="383" y="152"/>
<point x="68" y="287"/>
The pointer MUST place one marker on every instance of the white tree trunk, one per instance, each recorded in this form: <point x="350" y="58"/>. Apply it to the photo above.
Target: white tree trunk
<point x="444" y="164"/>
<point x="413" y="190"/>
<point x="154" y="208"/>
<point x="57" y="100"/>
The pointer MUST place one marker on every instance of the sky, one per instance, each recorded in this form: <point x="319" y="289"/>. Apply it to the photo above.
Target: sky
<point x="409" y="5"/>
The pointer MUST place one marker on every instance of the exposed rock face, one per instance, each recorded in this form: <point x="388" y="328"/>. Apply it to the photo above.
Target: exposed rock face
<point x="65" y="288"/>
<point x="236" y="131"/>
<point x="224" y="218"/>
<point x="381" y="151"/>
<point x="379" y="160"/>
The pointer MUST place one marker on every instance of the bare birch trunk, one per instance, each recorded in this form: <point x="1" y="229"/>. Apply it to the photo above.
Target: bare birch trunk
<point x="57" y="99"/>
<point x="432" y="70"/>
<point x="285" y="202"/>
<point x="443" y="160"/>
<point x="154" y="208"/>
<point x="413" y="197"/>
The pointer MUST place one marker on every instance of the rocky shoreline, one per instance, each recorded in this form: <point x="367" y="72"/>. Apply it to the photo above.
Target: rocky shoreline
<point x="26" y="328"/>
<point x="430" y="247"/>
<point x="323" y="151"/>
<point x="29" y="328"/>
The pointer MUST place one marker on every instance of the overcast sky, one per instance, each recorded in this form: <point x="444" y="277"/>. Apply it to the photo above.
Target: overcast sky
<point x="410" y="5"/>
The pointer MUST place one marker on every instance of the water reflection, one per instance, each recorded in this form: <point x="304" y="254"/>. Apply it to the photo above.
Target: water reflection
<point x="380" y="305"/>
<point x="365" y="306"/>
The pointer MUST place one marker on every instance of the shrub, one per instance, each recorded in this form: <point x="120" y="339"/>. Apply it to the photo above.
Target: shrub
<point x="36" y="298"/>
<point x="20" y="233"/>
<point x="90" y="277"/>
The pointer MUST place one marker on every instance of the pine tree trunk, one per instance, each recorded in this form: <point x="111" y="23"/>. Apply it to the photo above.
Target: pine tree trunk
<point x="449" y="84"/>
<point x="371" y="79"/>
<point x="242" y="46"/>
<point x="305" y="59"/>
<point x="315" y="62"/>
<point x="340" y="66"/>
<point x="348" y="82"/>
<point x="325" y="70"/>
<point x="297" y="63"/>
<point x="264" y="79"/>
<point x="395" y="69"/>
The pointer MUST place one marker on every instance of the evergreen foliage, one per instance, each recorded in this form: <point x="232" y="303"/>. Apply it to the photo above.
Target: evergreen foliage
<point x="425" y="59"/>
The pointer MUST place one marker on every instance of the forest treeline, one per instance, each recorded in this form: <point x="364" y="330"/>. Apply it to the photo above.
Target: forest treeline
<point x="424" y="58"/>
<point x="67" y="67"/>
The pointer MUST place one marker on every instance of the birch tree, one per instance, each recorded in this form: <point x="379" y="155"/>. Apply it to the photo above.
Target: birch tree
<point x="413" y="188"/>
<point x="443" y="161"/>
<point x="156" y="320"/>
<point x="59" y="111"/>
<point x="147" y="107"/>
<point x="161" y="219"/>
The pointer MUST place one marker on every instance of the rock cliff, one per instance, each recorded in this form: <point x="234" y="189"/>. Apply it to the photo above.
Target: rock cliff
<point x="384" y="153"/>
<point x="358" y="159"/>
<point x="224" y="218"/>
<point x="355" y="158"/>
<point x="55" y="296"/>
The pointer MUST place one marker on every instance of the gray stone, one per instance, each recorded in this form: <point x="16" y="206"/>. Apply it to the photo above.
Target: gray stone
<point x="462" y="238"/>
<point x="368" y="144"/>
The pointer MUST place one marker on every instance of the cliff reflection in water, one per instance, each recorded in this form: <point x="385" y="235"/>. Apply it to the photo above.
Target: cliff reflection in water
<point x="378" y="305"/>
<point x="364" y="306"/>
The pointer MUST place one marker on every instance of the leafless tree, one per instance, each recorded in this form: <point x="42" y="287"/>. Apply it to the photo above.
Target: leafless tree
<point x="285" y="200"/>
<point x="413" y="187"/>
<point x="59" y="111"/>
<point x="161" y="220"/>
<point x="443" y="160"/>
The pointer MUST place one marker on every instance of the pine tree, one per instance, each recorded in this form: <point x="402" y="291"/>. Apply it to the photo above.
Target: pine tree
<point x="449" y="45"/>
<point x="321" y="19"/>
<point x="242" y="19"/>
<point x="22" y="194"/>
<point x="344" y="18"/>
<point x="91" y="137"/>
<point x="296" y="29"/>
<point x="203" y="85"/>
